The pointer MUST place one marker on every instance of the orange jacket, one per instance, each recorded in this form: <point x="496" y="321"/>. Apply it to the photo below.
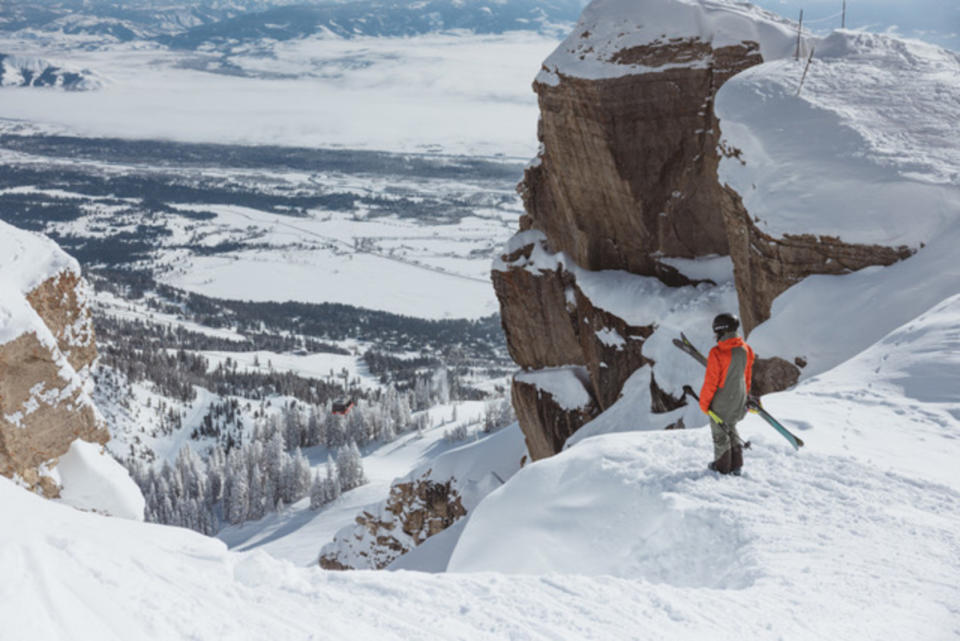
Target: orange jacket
<point x="718" y="364"/>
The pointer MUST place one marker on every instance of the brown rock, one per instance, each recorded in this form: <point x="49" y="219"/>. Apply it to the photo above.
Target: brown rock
<point x="610" y="365"/>
<point x="59" y="301"/>
<point x="545" y="424"/>
<point x="773" y="375"/>
<point x="629" y="164"/>
<point x="627" y="174"/>
<point x="765" y="267"/>
<point x="41" y="412"/>
<point x="539" y="325"/>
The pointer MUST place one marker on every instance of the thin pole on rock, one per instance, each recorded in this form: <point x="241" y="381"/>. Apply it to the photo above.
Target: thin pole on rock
<point x="843" y="15"/>
<point x="805" y="69"/>
<point x="796" y="56"/>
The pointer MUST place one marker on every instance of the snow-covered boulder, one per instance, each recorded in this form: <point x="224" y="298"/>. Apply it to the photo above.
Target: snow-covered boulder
<point x="47" y="348"/>
<point x="424" y="503"/>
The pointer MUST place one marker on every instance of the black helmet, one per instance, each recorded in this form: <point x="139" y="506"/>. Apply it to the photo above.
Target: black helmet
<point x="725" y="323"/>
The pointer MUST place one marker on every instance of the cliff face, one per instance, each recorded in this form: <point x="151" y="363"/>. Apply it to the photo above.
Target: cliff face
<point x="46" y="349"/>
<point x="626" y="180"/>
<point x="629" y="164"/>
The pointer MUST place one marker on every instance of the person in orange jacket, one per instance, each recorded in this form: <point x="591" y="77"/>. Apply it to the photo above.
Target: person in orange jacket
<point x="724" y="393"/>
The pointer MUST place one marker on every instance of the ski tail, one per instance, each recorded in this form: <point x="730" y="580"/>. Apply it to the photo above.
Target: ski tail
<point x="792" y="438"/>
<point x="684" y="344"/>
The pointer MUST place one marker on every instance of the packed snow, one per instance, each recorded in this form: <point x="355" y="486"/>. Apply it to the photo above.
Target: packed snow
<point x="866" y="136"/>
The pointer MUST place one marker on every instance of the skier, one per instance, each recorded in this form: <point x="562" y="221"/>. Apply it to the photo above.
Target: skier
<point x="724" y="393"/>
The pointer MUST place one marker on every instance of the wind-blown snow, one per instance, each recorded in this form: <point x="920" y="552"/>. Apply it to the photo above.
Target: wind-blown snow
<point x="872" y="553"/>
<point x="93" y="480"/>
<point x="621" y="536"/>
<point x="566" y="385"/>
<point x="868" y="136"/>
<point x="897" y="404"/>
<point x="866" y="153"/>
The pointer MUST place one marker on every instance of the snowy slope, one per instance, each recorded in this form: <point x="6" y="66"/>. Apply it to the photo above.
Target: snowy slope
<point x="297" y="533"/>
<point x="867" y="152"/>
<point x="800" y="547"/>
<point x="896" y="405"/>
<point x="622" y="536"/>
<point x="861" y="527"/>
<point x="78" y="576"/>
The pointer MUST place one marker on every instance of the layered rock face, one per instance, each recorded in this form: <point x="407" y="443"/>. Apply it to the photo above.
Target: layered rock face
<point x="627" y="179"/>
<point x="46" y="349"/>
<point x="629" y="164"/>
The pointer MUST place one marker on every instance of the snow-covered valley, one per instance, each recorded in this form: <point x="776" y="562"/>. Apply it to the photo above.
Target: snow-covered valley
<point x="288" y="224"/>
<point x="624" y="536"/>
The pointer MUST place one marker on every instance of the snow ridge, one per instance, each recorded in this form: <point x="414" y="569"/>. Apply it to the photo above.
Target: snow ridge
<point x="607" y="27"/>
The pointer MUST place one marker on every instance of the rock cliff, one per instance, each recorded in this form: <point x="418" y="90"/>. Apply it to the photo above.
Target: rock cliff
<point x="626" y="182"/>
<point x="46" y="349"/>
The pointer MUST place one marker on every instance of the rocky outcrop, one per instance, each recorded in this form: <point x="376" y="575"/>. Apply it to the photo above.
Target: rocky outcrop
<point x="537" y="403"/>
<point x="541" y="327"/>
<point x="626" y="178"/>
<point x="415" y="510"/>
<point x="629" y="164"/>
<point x="46" y="349"/>
<point x="765" y="267"/>
<point x="60" y="301"/>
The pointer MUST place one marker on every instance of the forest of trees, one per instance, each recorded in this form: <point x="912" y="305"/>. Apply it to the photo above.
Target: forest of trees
<point x="249" y="478"/>
<point x="246" y="483"/>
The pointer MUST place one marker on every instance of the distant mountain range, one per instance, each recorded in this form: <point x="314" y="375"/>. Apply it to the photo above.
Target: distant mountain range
<point x="385" y="18"/>
<point x="28" y="71"/>
<point x="205" y="25"/>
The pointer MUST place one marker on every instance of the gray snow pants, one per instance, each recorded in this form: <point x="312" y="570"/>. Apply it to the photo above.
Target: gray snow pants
<point x="727" y="451"/>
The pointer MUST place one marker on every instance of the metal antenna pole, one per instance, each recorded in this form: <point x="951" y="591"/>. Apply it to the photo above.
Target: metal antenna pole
<point x="799" y="31"/>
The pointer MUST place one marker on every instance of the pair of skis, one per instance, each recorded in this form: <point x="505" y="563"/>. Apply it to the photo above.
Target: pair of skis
<point x="684" y="344"/>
